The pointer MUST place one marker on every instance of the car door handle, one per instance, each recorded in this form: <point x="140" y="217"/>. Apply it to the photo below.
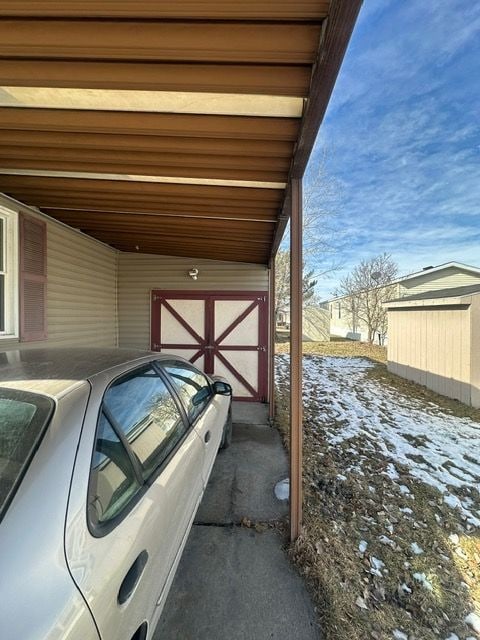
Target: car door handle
<point x="131" y="579"/>
<point x="207" y="436"/>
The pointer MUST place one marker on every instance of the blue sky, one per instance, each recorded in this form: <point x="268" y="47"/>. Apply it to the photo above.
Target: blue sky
<point x="401" y="139"/>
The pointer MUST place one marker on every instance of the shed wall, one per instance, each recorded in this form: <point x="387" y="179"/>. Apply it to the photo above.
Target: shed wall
<point x="81" y="289"/>
<point x="139" y="273"/>
<point x="446" y="279"/>
<point x="475" y="350"/>
<point x="432" y="347"/>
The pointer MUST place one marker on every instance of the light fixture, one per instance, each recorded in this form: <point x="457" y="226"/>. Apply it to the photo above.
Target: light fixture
<point x="193" y="273"/>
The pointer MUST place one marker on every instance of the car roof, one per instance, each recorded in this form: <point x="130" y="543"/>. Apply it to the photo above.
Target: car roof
<point x="57" y="371"/>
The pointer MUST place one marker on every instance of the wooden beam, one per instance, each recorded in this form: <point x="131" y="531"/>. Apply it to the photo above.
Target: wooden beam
<point x="158" y="211"/>
<point x="146" y="159"/>
<point x="158" y="124"/>
<point x="208" y="173"/>
<point x="165" y="9"/>
<point x="78" y="199"/>
<point x="296" y="418"/>
<point x="236" y="230"/>
<point x="273" y="80"/>
<point x="200" y="251"/>
<point x="146" y="144"/>
<point x="159" y="41"/>
<point x="112" y="236"/>
<point x="187" y="193"/>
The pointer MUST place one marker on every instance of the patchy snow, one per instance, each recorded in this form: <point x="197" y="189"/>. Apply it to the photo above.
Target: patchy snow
<point x="416" y="549"/>
<point x="473" y="620"/>
<point x="392" y="472"/>
<point x="399" y="635"/>
<point x="388" y="541"/>
<point x="362" y="547"/>
<point x="376" y="566"/>
<point x="422" y="578"/>
<point x="436" y="448"/>
<point x="360" y="602"/>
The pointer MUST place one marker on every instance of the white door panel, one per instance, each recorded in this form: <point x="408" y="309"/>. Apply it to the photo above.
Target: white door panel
<point x="226" y="312"/>
<point x="245" y="334"/>
<point x="174" y="332"/>
<point x="193" y="311"/>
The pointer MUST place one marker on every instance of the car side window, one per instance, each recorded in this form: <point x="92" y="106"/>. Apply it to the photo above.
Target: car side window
<point x="113" y="481"/>
<point x="143" y="408"/>
<point x="192" y="386"/>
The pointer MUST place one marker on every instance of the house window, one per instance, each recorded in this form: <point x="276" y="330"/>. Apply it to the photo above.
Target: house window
<point x="339" y="310"/>
<point x="8" y="274"/>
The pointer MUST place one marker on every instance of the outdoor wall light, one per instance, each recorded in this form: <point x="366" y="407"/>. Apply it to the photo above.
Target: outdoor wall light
<point x="193" y="273"/>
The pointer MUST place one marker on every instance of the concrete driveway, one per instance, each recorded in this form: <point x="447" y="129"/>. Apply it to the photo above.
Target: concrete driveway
<point x="236" y="581"/>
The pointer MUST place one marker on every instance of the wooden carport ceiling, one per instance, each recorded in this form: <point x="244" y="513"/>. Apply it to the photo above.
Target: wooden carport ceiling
<point x="166" y="127"/>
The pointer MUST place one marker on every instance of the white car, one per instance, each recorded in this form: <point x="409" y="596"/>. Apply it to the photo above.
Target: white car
<point x="104" y="458"/>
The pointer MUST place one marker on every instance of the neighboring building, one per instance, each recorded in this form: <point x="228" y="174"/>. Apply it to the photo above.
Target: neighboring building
<point x="434" y="340"/>
<point x="444" y="276"/>
<point x="316" y="322"/>
<point x="283" y="318"/>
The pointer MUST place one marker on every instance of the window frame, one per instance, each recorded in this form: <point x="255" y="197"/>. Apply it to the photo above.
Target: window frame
<point x="161" y="365"/>
<point x="100" y="529"/>
<point x="9" y="269"/>
<point x="97" y="528"/>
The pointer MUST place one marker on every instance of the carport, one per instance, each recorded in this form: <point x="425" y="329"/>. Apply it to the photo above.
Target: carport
<point x="177" y="129"/>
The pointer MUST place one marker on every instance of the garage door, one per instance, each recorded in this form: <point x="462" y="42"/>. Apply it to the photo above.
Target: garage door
<point x="221" y="333"/>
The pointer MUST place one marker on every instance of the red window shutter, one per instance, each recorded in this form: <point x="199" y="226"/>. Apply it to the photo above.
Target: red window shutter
<point x="33" y="279"/>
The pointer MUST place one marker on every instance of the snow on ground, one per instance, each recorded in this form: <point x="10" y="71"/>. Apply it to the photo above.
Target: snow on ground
<point x="438" y="449"/>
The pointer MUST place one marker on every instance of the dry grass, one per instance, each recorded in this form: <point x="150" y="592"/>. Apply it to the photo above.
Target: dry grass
<point x="338" y="513"/>
<point x="346" y="348"/>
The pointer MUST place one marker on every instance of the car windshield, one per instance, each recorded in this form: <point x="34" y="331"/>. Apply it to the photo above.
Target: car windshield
<point x="23" y="418"/>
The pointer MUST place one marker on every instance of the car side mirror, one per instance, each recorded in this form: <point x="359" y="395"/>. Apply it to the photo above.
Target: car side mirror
<point x="222" y="388"/>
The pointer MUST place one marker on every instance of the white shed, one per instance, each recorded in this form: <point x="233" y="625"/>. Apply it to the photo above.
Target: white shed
<point x="434" y="340"/>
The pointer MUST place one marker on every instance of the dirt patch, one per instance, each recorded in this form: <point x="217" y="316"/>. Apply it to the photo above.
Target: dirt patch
<point x="384" y="552"/>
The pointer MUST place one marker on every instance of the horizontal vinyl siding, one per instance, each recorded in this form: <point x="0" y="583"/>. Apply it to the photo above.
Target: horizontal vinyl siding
<point x="138" y="274"/>
<point x="81" y="291"/>
<point x="448" y="279"/>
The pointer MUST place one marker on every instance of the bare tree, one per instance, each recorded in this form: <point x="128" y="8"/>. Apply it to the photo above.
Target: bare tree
<point x="365" y="289"/>
<point x="282" y="282"/>
<point x="321" y="238"/>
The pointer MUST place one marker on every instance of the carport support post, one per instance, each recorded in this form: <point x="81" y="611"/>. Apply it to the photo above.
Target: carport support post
<point x="296" y="417"/>
<point x="273" y="322"/>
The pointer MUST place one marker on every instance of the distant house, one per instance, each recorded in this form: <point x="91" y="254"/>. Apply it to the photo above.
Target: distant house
<point x="434" y="340"/>
<point x="444" y="276"/>
<point x="316" y="322"/>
